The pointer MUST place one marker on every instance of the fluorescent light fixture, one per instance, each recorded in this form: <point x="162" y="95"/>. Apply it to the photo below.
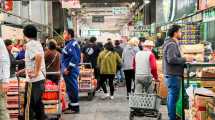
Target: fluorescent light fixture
<point x="146" y="1"/>
<point x="133" y="3"/>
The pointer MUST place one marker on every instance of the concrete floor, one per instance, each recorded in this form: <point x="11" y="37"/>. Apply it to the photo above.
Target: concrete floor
<point x="99" y="109"/>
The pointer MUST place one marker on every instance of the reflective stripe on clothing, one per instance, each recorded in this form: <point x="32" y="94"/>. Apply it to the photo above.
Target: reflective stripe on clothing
<point x="72" y="64"/>
<point x="74" y="104"/>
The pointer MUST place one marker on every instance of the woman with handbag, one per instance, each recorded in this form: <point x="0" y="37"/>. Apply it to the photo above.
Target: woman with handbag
<point x="107" y="62"/>
<point x="52" y="60"/>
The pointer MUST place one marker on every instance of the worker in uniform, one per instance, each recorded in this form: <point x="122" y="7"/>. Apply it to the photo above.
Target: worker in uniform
<point x="71" y="55"/>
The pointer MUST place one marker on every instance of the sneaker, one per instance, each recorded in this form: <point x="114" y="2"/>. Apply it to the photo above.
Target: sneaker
<point x="111" y="97"/>
<point x="105" y="96"/>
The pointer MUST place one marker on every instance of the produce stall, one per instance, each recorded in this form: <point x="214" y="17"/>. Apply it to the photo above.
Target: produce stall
<point x="204" y="74"/>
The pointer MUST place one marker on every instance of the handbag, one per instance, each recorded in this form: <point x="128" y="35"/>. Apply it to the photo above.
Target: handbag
<point x="52" y="61"/>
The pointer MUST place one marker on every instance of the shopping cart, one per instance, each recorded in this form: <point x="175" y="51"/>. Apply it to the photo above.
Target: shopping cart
<point x="52" y="98"/>
<point x="145" y="105"/>
<point x="87" y="82"/>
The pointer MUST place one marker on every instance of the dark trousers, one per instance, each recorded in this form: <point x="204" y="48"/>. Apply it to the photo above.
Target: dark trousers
<point x="72" y="91"/>
<point x="36" y="107"/>
<point x="97" y="76"/>
<point x="104" y="78"/>
<point x="129" y="77"/>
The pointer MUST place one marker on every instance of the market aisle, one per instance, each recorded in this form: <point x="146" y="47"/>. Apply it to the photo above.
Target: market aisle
<point x="98" y="109"/>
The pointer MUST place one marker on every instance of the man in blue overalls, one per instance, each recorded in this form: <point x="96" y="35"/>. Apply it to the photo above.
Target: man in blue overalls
<point x="70" y="68"/>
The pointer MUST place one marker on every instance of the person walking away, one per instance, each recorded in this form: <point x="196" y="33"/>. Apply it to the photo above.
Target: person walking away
<point x="119" y="50"/>
<point x="145" y="69"/>
<point x="128" y="55"/>
<point x="141" y="41"/>
<point x="173" y="67"/>
<point x="90" y="54"/>
<point x="4" y="76"/>
<point x="70" y="61"/>
<point x="13" y="62"/>
<point x="35" y="75"/>
<point x="109" y="40"/>
<point x="52" y="61"/>
<point x="101" y="48"/>
<point x="160" y="41"/>
<point x="107" y="61"/>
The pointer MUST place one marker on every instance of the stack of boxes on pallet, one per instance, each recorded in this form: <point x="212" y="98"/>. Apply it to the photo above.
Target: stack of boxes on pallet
<point x="199" y="103"/>
<point x="13" y="100"/>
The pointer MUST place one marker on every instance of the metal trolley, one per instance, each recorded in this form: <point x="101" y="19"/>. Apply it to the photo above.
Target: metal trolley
<point x="86" y="79"/>
<point x="144" y="105"/>
<point x="54" y="104"/>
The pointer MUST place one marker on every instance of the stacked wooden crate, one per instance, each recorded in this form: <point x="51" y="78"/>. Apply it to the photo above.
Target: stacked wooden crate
<point x="12" y="98"/>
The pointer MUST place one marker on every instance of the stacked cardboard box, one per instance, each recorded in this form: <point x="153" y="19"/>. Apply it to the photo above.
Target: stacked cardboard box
<point x="198" y="103"/>
<point x="86" y="78"/>
<point x="12" y="97"/>
<point x="162" y="88"/>
<point x="194" y="51"/>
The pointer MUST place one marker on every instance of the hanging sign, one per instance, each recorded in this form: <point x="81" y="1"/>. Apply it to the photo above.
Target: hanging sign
<point x="204" y="4"/>
<point x="211" y="3"/>
<point x="71" y="4"/>
<point x="119" y="10"/>
<point x="209" y="15"/>
<point x="197" y="17"/>
<point x="9" y="32"/>
<point x="8" y="5"/>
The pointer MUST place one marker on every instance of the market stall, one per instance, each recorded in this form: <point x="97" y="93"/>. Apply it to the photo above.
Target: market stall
<point x="201" y="91"/>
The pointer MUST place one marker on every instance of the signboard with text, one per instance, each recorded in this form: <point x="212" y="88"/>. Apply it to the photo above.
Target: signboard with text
<point x="119" y="10"/>
<point x="204" y="4"/>
<point x="71" y="4"/>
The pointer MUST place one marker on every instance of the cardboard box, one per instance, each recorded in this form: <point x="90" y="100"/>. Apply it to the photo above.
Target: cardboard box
<point x="189" y="49"/>
<point x="199" y="57"/>
<point x="201" y="101"/>
<point x="211" y="88"/>
<point x="208" y="84"/>
<point x="201" y="115"/>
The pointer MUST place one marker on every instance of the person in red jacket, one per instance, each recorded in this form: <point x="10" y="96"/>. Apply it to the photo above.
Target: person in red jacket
<point x="145" y="68"/>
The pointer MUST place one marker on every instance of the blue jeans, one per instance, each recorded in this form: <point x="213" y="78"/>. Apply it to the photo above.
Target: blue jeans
<point x="173" y="84"/>
<point x="120" y="75"/>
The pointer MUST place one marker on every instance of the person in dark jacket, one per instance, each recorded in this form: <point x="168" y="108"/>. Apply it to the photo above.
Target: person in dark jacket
<point x="91" y="52"/>
<point x="13" y="61"/>
<point x="173" y="67"/>
<point x="141" y="41"/>
<point x="119" y="50"/>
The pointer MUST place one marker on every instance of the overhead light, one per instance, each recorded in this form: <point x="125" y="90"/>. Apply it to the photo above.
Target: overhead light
<point x="133" y="3"/>
<point x="2" y="18"/>
<point x="146" y="1"/>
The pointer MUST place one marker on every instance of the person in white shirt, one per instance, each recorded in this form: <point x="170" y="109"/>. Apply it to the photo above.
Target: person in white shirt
<point x="35" y="73"/>
<point x="4" y="76"/>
